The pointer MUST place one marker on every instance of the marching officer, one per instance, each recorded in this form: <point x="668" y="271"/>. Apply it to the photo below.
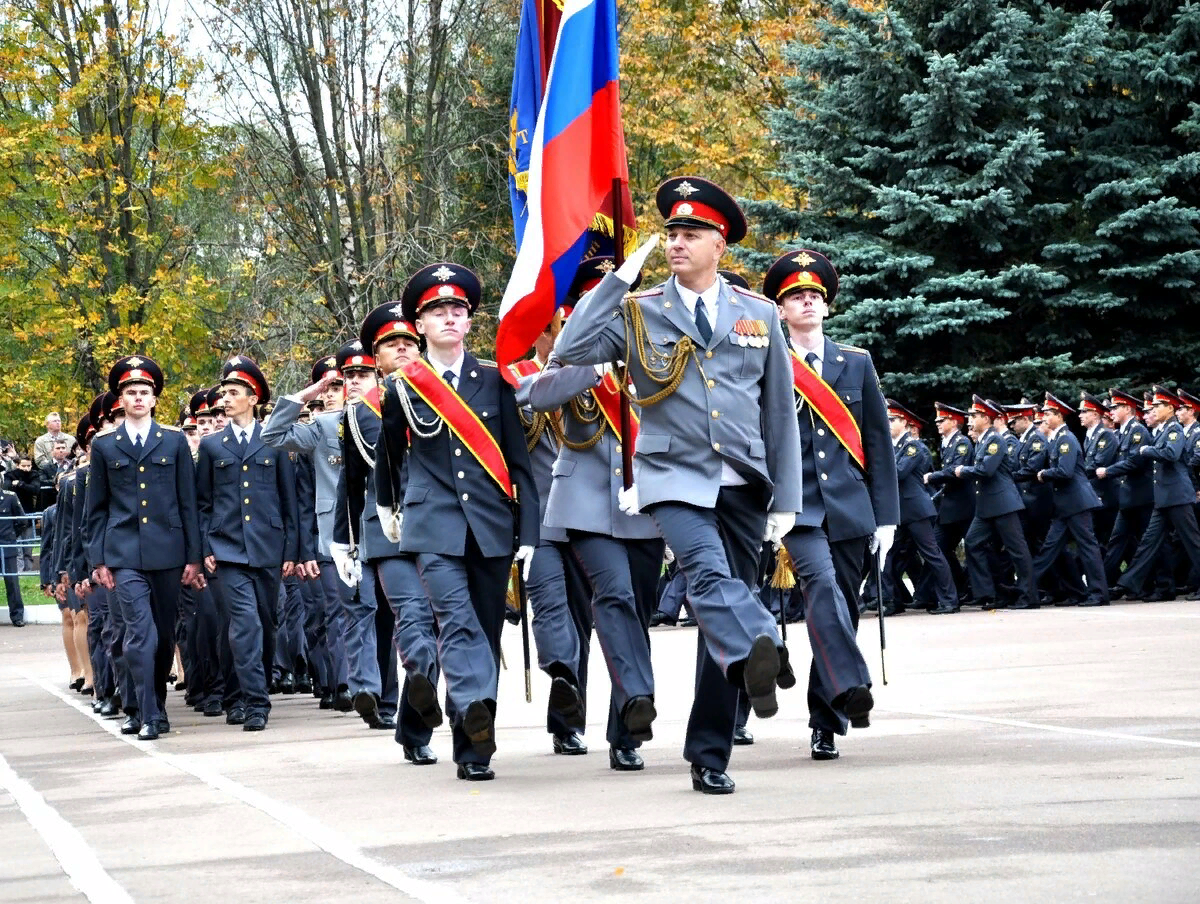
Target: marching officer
<point x="1100" y="449"/>
<point x="850" y="505"/>
<point x="1074" y="502"/>
<point x="1135" y="486"/>
<point x="916" y="514"/>
<point x="997" y="502"/>
<point x="468" y="501"/>
<point x="718" y="462"/>
<point x="956" y="508"/>
<point x="143" y="533"/>
<point x="1174" y="497"/>
<point x="247" y="497"/>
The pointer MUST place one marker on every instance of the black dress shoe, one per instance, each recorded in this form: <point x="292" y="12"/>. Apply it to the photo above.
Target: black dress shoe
<point x="236" y="716"/>
<point x="1099" y="601"/>
<point x="1161" y="595"/>
<point x="342" y="701"/>
<point x="625" y="759"/>
<point x="857" y="704"/>
<point x="366" y="705"/>
<point x="480" y="728"/>
<point x="287" y="683"/>
<point x="710" y="781"/>
<point x="97" y="704"/>
<point x="304" y="685"/>
<point x="1026" y="606"/>
<point x="566" y="702"/>
<point x="890" y="611"/>
<point x="1065" y="601"/>
<point x="326" y="701"/>
<point x="687" y="621"/>
<point x="822" y="745"/>
<point x="385" y="722"/>
<point x="987" y="604"/>
<point x="759" y="673"/>
<point x="475" y="772"/>
<point x="1118" y="592"/>
<point x="148" y="732"/>
<point x="18" y="622"/>
<point x="422" y="696"/>
<point x="255" y="722"/>
<point x="742" y="738"/>
<point x="109" y="709"/>
<point x="638" y="716"/>
<point x="661" y="618"/>
<point x="164" y="725"/>
<point x="786" y="679"/>
<point x="87" y="690"/>
<point x="569" y="744"/>
<point x="944" y="610"/>
<point x="421" y="755"/>
<point x="181" y="685"/>
<point x="131" y="725"/>
<point x="198" y="707"/>
<point x="212" y="708"/>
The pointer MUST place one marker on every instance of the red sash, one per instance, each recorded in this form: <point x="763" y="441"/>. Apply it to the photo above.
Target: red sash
<point x="370" y="398"/>
<point x="608" y="397"/>
<point x="833" y="411"/>
<point x="461" y="420"/>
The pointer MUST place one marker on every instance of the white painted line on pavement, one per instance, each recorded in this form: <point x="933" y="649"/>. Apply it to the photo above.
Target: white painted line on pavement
<point x="73" y="854"/>
<point x="1056" y="729"/>
<point x="290" y="817"/>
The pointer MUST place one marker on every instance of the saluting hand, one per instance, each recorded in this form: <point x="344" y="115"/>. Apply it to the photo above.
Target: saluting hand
<point x="314" y="390"/>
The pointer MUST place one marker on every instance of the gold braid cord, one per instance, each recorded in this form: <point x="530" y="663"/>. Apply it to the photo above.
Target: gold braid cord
<point x="586" y="410"/>
<point x="537" y="425"/>
<point x="668" y="374"/>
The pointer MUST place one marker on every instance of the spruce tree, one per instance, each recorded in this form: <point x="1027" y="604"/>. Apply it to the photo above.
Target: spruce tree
<point x="1005" y="201"/>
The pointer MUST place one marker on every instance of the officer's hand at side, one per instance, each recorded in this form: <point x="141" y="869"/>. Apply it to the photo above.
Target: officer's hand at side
<point x="958" y="471"/>
<point x="390" y="521"/>
<point x="629" y="270"/>
<point x="288" y="569"/>
<point x="193" y="576"/>
<point x="310" y="570"/>
<point x="348" y="567"/>
<point x="525" y="557"/>
<point x="779" y="524"/>
<point x="627" y="500"/>
<point x="668" y="554"/>
<point x="102" y="576"/>
<point x="925" y="478"/>
<point x="210" y="564"/>
<point x="1102" y="473"/>
<point x="885" y="536"/>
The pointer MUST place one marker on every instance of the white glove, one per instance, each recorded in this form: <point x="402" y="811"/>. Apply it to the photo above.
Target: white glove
<point x="627" y="500"/>
<point x="629" y="270"/>
<point x="668" y="554"/>
<point x="390" y="520"/>
<point x="885" y="536"/>
<point x="779" y="525"/>
<point x="602" y="370"/>
<point x="525" y="557"/>
<point x="349" y="569"/>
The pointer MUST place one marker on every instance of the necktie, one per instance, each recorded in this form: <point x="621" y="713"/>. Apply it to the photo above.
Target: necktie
<point x="137" y="444"/>
<point x="448" y="376"/>
<point x="811" y="360"/>
<point x="241" y="440"/>
<point x="702" y="323"/>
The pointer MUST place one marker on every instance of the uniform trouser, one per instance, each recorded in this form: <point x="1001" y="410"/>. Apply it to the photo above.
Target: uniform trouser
<point x="385" y="652"/>
<point x="185" y="639"/>
<point x="948" y="536"/>
<point x="554" y="632"/>
<point x="837" y="662"/>
<point x="204" y="676"/>
<point x="1102" y="521"/>
<point x="728" y="611"/>
<point x="720" y="705"/>
<point x="114" y="641"/>
<point x="902" y="559"/>
<point x="317" y="653"/>
<point x="335" y="595"/>
<point x="620" y="627"/>
<point x="1180" y="517"/>
<point x="1077" y="527"/>
<point x="369" y="655"/>
<point x="103" y="678"/>
<point x="146" y="598"/>
<point x="673" y="597"/>
<point x="1127" y="532"/>
<point x="922" y="539"/>
<point x="12" y="583"/>
<point x="289" y="646"/>
<point x="248" y="596"/>
<point x="231" y="690"/>
<point x="414" y="639"/>
<point x="467" y="595"/>
<point x="1007" y="528"/>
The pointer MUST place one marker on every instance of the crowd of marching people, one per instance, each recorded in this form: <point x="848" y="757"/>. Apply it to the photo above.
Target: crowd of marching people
<point x="365" y="538"/>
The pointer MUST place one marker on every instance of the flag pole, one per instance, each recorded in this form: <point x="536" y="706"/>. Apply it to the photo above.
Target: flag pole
<point x="626" y="414"/>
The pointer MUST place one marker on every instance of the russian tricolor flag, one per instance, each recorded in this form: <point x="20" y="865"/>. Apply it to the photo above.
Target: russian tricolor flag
<point x="578" y="149"/>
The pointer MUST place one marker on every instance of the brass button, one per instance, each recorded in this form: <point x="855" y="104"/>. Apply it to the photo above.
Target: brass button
<point x="141" y="467"/>
<point x="245" y="483"/>
<point x="144" y="520"/>
<point x="708" y="354"/>
<point x="142" y="486"/>
<point x="716" y="413"/>
<point x="247" y="517"/>
<point x="246" y="500"/>
<point x="245" y="467"/>
<point x="144" y="503"/>
<point x="266" y="461"/>
<point x="462" y="474"/>
<point x="618" y="447"/>
<point x="712" y="383"/>
<point x="716" y="447"/>
<point x="465" y="497"/>
<point x="820" y="431"/>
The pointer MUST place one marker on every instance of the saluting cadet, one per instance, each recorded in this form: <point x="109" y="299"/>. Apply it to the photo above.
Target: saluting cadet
<point x="997" y="502"/>
<point x="247" y="499"/>
<point x="955" y="498"/>
<point x="1174" y="498"/>
<point x="469" y="499"/>
<point x="1101" y="448"/>
<point x="621" y="553"/>
<point x="320" y="440"/>
<point x="1135" y="486"/>
<point x="718" y="462"/>
<point x="850" y="505"/>
<point x="1074" y="502"/>
<point x="916" y="514"/>
<point x="143" y="534"/>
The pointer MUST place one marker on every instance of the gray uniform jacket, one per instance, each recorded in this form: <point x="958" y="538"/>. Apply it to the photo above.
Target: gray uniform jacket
<point x="733" y="404"/>
<point x="356" y="489"/>
<point x="542" y="457"/>
<point x="583" y="495"/>
<point x="318" y="439"/>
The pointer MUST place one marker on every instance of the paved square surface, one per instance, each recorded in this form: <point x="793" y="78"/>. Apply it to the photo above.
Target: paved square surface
<point x="1051" y="755"/>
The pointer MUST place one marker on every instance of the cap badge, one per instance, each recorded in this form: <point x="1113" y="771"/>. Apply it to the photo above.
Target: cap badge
<point x="444" y="291"/>
<point x="135" y="361"/>
<point x="605" y="266"/>
<point x="396" y="310"/>
<point x="804" y="259"/>
<point x="442" y="273"/>
<point x="685" y="189"/>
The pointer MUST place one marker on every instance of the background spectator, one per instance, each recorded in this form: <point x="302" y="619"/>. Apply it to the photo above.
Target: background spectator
<point x="43" y="447"/>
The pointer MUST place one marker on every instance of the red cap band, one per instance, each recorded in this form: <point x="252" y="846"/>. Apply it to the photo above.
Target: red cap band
<point x="238" y="376"/>
<point x="803" y="279"/>
<point x="443" y="292"/>
<point x="694" y="210"/>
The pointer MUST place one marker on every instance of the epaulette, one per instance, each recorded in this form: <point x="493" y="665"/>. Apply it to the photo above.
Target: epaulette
<point x="169" y="427"/>
<point x="851" y="348"/>
<point x="750" y="293"/>
<point x="486" y="363"/>
<point x="648" y="293"/>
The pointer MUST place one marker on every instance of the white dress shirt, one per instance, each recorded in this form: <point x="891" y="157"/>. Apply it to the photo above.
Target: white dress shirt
<point x="455" y="367"/>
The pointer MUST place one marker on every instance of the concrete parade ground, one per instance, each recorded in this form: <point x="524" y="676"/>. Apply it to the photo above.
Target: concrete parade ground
<point x="1049" y="755"/>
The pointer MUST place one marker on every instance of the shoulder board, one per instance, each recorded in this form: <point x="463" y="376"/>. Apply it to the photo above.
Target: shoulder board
<point x="169" y="427"/>
<point x="483" y="362"/>
<point x="750" y="293"/>
<point x="648" y="293"/>
<point x="9" y="493"/>
<point x="851" y="348"/>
